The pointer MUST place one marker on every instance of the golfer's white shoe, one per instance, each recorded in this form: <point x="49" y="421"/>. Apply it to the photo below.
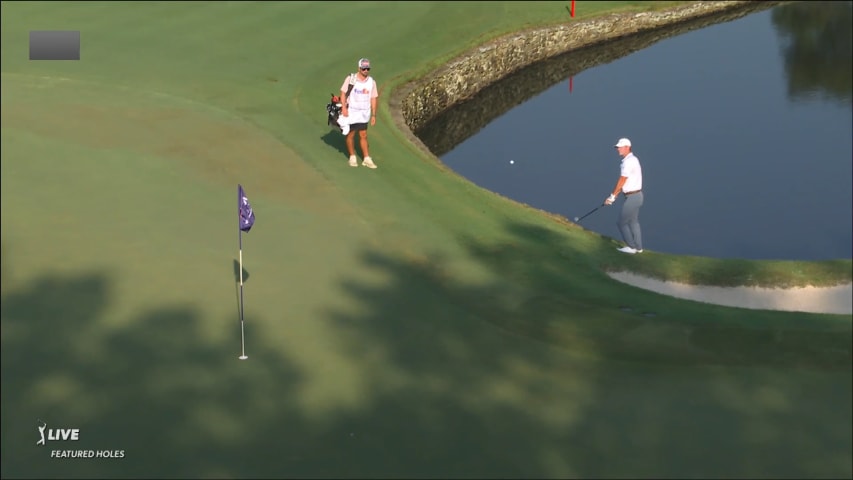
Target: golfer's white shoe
<point x="353" y="161"/>
<point x="627" y="249"/>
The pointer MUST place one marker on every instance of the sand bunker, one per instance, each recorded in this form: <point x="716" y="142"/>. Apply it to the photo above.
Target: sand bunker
<point x="837" y="299"/>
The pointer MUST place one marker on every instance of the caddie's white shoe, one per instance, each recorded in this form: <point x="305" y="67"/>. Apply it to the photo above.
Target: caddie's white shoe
<point x="627" y="249"/>
<point x="353" y="161"/>
<point x="368" y="162"/>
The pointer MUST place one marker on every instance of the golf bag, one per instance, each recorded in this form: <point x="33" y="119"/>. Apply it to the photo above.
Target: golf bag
<point x="334" y="107"/>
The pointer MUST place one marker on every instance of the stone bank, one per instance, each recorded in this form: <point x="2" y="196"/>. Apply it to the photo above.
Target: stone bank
<point x="413" y="105"/>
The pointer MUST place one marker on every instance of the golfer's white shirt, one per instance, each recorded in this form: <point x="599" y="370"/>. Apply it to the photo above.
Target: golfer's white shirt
<point x="631" y="170"/>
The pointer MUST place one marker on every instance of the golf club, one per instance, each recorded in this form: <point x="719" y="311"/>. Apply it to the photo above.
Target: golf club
<point x="578" y="219"/>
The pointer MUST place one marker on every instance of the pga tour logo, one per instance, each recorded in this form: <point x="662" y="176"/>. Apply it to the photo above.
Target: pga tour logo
<point x="53" y="434"/>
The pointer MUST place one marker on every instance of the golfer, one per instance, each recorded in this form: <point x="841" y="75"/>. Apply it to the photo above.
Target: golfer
<point x="358" y="107"/>
<point x="630" y="183"/>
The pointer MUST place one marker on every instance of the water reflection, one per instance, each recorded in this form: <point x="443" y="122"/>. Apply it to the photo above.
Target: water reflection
<point x="733" y="166"/>
<point x="451" y="127"/>
<point x="817" y="46"/>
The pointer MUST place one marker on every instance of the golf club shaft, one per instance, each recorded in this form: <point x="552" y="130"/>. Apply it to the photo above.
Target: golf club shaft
<point x="590" y="212"/>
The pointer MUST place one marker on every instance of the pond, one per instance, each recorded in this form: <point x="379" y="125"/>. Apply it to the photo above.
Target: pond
<point x="743" y="129"/>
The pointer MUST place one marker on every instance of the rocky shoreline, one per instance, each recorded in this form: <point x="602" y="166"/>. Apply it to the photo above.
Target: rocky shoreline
<point x="417" y="103"/>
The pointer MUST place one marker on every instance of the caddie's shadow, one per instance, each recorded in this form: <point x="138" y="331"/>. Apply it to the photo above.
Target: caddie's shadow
<point x="335" y="139"/>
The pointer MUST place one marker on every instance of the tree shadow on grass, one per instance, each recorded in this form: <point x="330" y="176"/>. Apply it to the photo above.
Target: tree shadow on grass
<point x="643" y="326"/>
<point x="413" y="381"/>
<point x="159" y="387"/>
<point x="462" y="398"/>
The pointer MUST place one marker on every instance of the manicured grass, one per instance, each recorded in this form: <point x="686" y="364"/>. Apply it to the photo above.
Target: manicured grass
<point x="399" y="322"/>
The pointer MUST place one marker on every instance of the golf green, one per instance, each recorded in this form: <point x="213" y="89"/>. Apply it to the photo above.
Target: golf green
<point x="399" y="322"/>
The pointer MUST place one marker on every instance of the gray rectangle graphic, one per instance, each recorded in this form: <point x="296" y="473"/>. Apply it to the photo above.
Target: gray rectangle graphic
<point x="54" y="45"/>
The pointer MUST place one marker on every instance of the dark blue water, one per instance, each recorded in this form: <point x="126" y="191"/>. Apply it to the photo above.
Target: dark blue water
<point x="744" y="136"/>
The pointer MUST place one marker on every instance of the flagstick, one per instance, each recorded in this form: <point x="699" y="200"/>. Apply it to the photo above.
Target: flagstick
<point x="242" y="334"/>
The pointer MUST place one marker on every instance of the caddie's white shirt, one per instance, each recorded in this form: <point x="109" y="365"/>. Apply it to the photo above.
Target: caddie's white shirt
<point x="359" y="99"/>
<point x="631" y="170"/>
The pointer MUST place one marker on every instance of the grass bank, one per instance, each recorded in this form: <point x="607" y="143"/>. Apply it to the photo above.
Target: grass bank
<point x="399" y="321"/>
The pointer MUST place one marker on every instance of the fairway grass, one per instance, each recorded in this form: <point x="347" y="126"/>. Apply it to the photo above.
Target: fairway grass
<point x="400" y="322"/>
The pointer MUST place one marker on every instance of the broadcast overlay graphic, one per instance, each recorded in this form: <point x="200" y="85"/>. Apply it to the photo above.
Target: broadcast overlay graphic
<point x="54" y="45"/>
<point x="62" y="442"/>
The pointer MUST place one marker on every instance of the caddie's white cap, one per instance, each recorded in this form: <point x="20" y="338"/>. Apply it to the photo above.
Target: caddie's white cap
<point x="623" y="142"/>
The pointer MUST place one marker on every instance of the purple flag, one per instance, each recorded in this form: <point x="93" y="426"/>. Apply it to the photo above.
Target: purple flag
<point x="247" y="216"/>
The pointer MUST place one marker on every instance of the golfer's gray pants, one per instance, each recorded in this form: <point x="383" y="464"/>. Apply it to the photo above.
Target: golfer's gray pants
<point x="629" y="221"/>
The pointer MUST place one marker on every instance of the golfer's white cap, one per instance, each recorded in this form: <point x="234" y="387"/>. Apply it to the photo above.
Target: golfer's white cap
<point x="623" y="142"/>
<point x="364" y="63"/>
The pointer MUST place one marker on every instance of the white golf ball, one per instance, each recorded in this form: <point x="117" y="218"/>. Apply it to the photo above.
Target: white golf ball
<point x="512" y="161"/>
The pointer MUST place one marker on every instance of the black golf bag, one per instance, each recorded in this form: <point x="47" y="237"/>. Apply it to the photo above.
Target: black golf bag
<point x="334" y="107"/>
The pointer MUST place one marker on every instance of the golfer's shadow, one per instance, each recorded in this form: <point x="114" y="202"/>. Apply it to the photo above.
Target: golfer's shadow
<point x="335" y="139"/>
